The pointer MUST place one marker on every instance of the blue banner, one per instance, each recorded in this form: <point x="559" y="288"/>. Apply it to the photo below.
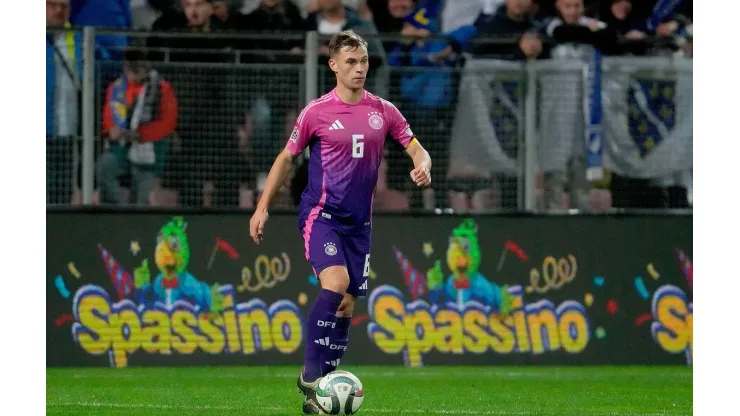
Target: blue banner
<point x="593" y="115"/>
<point x="662" y="11"/>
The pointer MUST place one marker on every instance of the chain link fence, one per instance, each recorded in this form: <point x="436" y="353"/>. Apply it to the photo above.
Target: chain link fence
<point x="232" y="120"/>
<point x="64" y="85"/>
<point x="503" y="135"/>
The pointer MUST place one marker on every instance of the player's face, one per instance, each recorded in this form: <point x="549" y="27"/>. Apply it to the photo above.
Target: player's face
<point x="351" y="67"/>
<point x="571" y="10"/>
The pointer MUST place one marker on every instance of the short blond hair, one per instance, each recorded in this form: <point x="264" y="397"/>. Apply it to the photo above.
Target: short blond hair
<point x="345" y="39"/>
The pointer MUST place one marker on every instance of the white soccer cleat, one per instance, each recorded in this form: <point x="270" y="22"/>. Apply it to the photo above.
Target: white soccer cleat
<point x="310" y="404"/>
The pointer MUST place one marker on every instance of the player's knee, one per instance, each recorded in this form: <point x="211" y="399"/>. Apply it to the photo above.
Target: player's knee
<point x="335" y="278"/>
<point x="347" y="307"/>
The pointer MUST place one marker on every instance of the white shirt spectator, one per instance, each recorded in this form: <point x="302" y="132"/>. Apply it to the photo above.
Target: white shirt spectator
<point x="459" y="13"/>
<point x="251" y="5"/>
<point x="329" y="28"/>
<point x="490" y="6"/>
<point x="569" y="50"/>
<point x="143" y="15"/>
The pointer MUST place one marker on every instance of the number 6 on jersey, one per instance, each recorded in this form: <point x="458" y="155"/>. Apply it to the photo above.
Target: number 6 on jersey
<point x="358" y="147"/>
<point x="366" y="269"/>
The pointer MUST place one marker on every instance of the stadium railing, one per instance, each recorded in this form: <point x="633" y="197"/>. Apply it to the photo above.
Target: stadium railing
<point x="520" y="136"/>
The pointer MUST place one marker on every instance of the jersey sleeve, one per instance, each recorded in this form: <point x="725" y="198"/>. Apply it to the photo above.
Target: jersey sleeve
<point x="398" y="127"/>
<point x="302" y="132"/>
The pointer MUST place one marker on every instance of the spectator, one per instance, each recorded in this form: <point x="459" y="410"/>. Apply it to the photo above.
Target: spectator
<point x="332" y="17"/>
<point x="171" y="16"/>
<point x="473" y="190"/>
<point x="561" y="113"/>
<point x="639" y="192"/>
<point x="103" y="13"/>
<point x="273" y="105"/>
<point x="668" y="21"/>
<point x="616" y="14"/>
<point x="426" y="97"/>
<point x="575" y="35"/>
<point x="63" y="77"/>
<point x="145" y="12"/>
<point x="511" y="20"/>
<point x="196" y="16"/>
<point x="389" y="15"/>
<point x="210" y="109"/>
<point x="359" y="6"/>
<point x="140" y="114"/>
<point x="227" y="13"/>
<point x="274" y="17"/>
<point x="459" y="13"/>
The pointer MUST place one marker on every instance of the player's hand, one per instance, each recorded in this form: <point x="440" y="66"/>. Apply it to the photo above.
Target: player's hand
<point x="421" y="177"/>
<point x="257" y="225"/>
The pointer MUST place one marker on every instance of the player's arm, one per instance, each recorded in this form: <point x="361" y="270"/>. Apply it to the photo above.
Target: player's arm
<point x="421" y="175"/>
<point x="419" y="155"/>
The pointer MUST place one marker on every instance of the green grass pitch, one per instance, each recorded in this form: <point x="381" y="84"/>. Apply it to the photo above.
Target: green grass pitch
<point x="267" y="391"/>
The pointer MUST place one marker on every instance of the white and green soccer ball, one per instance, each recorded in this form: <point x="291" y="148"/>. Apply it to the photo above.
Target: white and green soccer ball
<point x="340" y="393"/>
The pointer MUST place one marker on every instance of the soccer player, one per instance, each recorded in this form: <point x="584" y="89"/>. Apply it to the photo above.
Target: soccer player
<point x="345" y="131"/>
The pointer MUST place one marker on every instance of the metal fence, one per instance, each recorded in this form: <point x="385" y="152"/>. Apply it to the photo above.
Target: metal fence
<point x="502" y="135"/>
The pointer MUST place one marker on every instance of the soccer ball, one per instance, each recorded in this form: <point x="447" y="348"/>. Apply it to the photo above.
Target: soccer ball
<point x="340" y="392"/>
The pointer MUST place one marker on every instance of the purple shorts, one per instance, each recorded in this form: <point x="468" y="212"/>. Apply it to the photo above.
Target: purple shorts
<point x="327" y="244"/>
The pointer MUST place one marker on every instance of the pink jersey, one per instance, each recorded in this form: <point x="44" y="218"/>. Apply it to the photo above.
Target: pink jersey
<point x="346" y="145"/>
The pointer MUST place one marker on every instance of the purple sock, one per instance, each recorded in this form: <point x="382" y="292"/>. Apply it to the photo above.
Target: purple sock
<point x="339" y="337"/>
<point x="321" y="319"/>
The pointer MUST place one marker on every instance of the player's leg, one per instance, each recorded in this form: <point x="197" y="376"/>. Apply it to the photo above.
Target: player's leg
<point x="325" y="253"/>
<point x="322" y="318"/>
<point x="339" y="336"/>
<point x="319" y="323"/>
<point x="357" y="257"/>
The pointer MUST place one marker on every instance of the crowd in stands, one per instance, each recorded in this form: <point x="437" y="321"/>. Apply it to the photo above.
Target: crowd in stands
<point x="197" y="137"/>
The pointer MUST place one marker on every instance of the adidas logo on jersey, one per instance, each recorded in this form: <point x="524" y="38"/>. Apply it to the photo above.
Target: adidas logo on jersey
<point x="364" y="286"/>
<point x="322" y="341"/>
<point x="334" y="363"/>
<point x="337" y="125"/>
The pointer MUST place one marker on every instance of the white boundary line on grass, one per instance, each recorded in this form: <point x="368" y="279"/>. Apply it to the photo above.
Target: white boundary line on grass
<point x="275" y="408"/>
